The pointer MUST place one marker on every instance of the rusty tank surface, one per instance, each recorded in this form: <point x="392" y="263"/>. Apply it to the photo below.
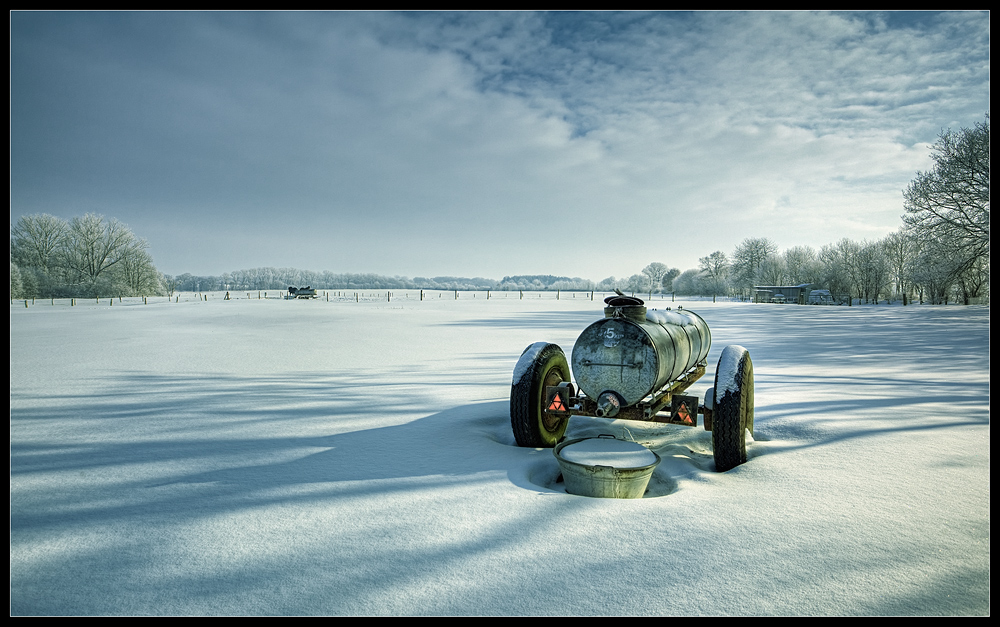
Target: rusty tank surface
<point x="635" y="364"/>
<point x="633" y="352"/>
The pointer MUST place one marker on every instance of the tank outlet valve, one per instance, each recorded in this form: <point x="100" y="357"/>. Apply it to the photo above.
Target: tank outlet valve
<point x="608" y="405"/>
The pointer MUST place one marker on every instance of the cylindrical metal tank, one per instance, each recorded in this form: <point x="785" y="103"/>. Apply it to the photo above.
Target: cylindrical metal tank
<point x="634" y="352"/>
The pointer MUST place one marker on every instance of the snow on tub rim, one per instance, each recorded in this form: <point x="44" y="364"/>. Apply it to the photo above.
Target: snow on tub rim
<point x="605" y="467"/>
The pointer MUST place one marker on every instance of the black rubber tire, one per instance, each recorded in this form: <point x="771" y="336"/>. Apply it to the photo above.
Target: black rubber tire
<point x="532" y="428"/>
<point x="732" y="415"/>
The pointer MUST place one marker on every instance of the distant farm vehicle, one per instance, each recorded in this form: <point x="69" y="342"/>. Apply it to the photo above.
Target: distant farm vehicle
<point x="821" y="297"/>
<point x="301" y="292"/>
<point x="634" y="364"/>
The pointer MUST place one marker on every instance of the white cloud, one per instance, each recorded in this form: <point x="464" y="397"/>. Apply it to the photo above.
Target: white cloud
<point x="434" y="126"/>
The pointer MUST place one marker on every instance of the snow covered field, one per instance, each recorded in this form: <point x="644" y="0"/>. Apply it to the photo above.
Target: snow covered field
<point x="356" y="458"/>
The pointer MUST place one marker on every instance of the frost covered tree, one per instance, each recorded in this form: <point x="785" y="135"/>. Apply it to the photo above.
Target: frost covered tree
<point x="94" y="246"/>
<point x="35" y="240"/>
<point x="16" y="287"/>
<point x="169" y="284"/>
<point x="900" y="248"/>
<point x="747" y="260"/>
<point x="973" y="281"/>
<point x="36" y="243"/>
<point x="949" y="205"/>
<point x="802" y="265"/>
<point x="715" y="269"/>
<point x="935" y="272"/>
<point x="872" y="270"/>
<point x="87" y="256"/>
<point x="837" y="268"/>
<point x="608" y="285"/>
<point x="638" y="283"/>
<point x="772" y="270"/>
<point x="689" y="283"/>
<point x="655" y="271"/>
<point x="135" y="274"/>
<point x="667" y="282"/>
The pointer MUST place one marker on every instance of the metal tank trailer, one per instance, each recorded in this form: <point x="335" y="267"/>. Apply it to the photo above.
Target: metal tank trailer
<point x="634" y="364"/>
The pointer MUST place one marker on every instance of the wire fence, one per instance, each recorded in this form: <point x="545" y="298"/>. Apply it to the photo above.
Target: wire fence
<point x="343" y="296"/>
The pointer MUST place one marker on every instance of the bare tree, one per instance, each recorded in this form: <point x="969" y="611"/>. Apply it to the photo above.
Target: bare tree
<point x="690" y="283"/>
<point x="973" y="281"/>
<point x="934" y="272"/>
<point x="747" y="259"/>
<point x="900" y="249"/>
<point x="655" y="271"/>
<point x="169" y="284"/>
<point x="16" y="285"/>
<point x="36" y="239"/>
<point x="715" y="269"/>
<point x="801" y="265"/>
<point x="638" y="283"/>
<point x="608" y="284"/>
<point x="950" y="204"/>
<point x="840" y="268"/>
<point x="135" y="274"/>
<point x="871" y="270"/>
<point x="667" y="282"/>
<point x="89" y="255"/>
<point x="772" y="270"/>
<point x="94" y="245"/>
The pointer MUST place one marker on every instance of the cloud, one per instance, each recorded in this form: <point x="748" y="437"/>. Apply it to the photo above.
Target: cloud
<point x="482" y="134"/>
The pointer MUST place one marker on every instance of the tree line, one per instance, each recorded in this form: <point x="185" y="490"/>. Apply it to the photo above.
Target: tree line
<point x="88" y="256"/>
<point x="941" y="253"/>
<point x="269" y="278"/>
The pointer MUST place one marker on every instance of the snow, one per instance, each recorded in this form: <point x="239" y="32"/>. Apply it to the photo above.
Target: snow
<point x="678" y="318"/>
<point x="608" y="452"/>
<point x="523" y="364"/>
<point x="273" y="457"/>
<point x="728" y="368"/>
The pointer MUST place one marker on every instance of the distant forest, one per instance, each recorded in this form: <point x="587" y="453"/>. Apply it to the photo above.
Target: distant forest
<point x="283" y="278"/>
<point x="941" y="254"/>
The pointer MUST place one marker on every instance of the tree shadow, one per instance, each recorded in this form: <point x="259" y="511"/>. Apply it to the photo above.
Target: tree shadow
<point x="109" y="488"/>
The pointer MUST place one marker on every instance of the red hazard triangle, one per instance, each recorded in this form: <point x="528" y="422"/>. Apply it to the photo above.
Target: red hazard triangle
<point x="684" y="414"/>
<point x="557" y="404"/>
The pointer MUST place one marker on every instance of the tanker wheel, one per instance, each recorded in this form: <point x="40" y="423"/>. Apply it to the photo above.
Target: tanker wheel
<point x="540" y="365"/>
<point x="732" y="415"/>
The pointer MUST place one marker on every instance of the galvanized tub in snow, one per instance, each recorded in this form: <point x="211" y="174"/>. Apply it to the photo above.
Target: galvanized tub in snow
<point x="605" y="467"/>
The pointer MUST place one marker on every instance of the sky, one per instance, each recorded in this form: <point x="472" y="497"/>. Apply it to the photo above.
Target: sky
<point x="581" y="144"/>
